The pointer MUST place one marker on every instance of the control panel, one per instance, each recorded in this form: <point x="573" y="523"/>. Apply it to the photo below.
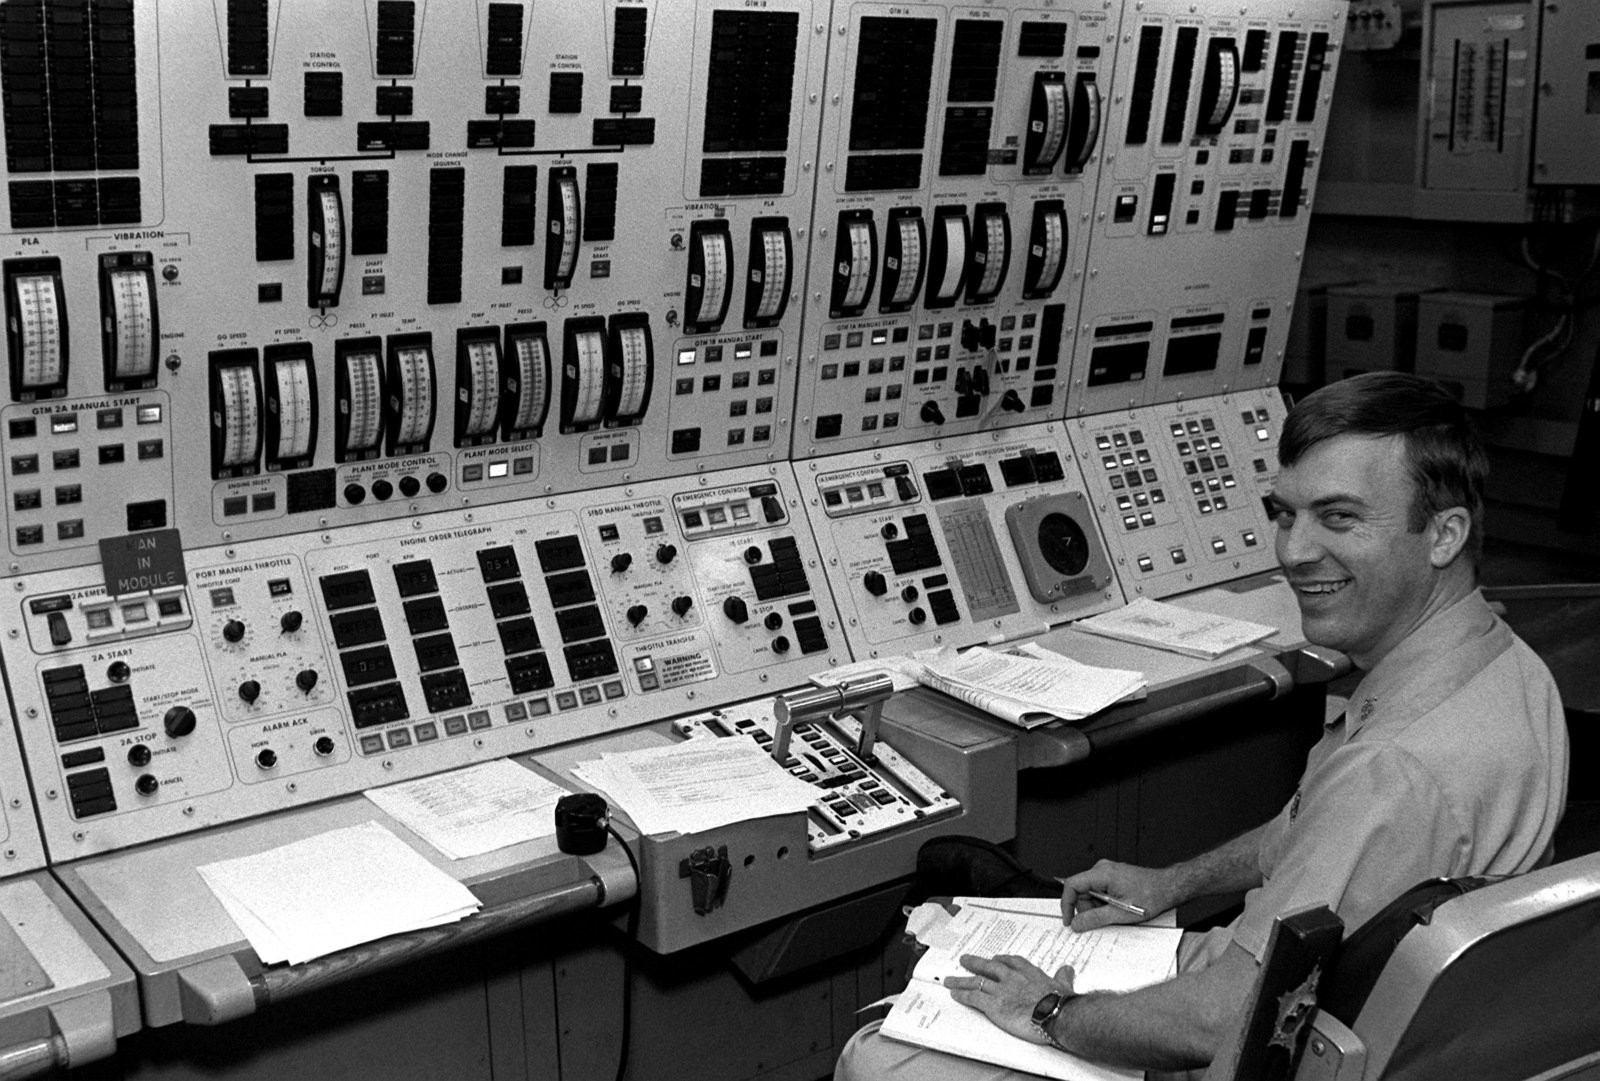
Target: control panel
<point x="1204" y="200"/>
<point x="959" y="541"/>
<point x="268" y="678"/>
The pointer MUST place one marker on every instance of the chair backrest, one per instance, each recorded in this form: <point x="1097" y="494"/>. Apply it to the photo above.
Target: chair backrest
<point x="1502" y="983"/>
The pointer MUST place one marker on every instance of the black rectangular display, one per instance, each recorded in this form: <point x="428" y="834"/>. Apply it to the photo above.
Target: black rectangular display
<point x="347" y="590"/>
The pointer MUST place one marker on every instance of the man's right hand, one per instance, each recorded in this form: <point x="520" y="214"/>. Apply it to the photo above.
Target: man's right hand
<point x="1144" y="887"/>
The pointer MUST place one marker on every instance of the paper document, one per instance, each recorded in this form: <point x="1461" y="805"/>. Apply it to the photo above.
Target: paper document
<point x="697" y="785"/>
<point x="1028" y="691"/>
<point x="333" y="891"/>
<point x="1166" y="626"/>
<point x="467" y="812"/>
<point x="1111" y="959"/>
<point x="902" y="671"/>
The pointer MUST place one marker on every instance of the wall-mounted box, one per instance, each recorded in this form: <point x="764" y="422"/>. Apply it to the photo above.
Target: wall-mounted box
<point x="1567" y="140"/>
<point x="1305" y="353"/>
<point x="1372" y="327"/>
<point x="1470" y="342"/>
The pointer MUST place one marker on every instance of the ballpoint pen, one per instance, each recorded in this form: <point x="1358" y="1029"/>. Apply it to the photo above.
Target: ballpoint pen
<point x="1107" y="899"/>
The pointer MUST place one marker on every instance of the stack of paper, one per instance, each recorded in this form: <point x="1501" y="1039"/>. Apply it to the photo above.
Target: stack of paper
<point x="1029" y="686"/>
<point x="697" y="785"/>
<point x="333" y="891"/>
<point x="1166" y="626"/>
<point x="470" y="811"/>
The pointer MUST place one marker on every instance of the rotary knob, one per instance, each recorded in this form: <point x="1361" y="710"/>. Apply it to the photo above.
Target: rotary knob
<point x="306" y="679"/>
<point x="931" y="413"/>
<point x="681" y="606"/>
<point x="666" y="554"/>
<point x="290" y="622"/>
<point x="249" y="691"/>
<point x="233" y="630"/>
<point x="1011" y="402"/>
<point x="621" y="562"/>
<point x="637" y="613"/>
<point x="875" y="582"/>
<point x="735" y="609"/>
<point x="179" y="721"/>
<point x="146" y="785"/>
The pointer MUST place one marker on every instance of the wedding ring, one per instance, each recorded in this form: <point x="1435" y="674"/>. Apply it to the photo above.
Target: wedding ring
<point x="980" y="985"/>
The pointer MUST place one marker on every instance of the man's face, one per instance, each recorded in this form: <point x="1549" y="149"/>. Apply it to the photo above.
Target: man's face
<point x="1362" y="580"/>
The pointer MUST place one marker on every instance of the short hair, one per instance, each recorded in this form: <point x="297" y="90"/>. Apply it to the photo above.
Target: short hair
<point x="1444" y="456"/>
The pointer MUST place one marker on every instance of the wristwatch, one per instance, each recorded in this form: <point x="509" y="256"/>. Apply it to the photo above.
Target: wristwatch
<point x="1045" y="1012"/>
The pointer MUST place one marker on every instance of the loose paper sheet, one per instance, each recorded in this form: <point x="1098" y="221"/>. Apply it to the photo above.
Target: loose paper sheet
<point x="467" y="812"/>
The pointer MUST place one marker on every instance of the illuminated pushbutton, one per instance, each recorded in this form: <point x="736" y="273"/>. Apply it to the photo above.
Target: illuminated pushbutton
<point x="889" y="531"/>
<point x="437" y="482"/>
<point x="382" y="490"/>
<point x="752" y="554"/>
<point x="909" y="594"/>
<point x="681" y="606"/>
<point x="290" y="622"/>
<point x="139" y="755"/>
<point x="780" y="644"/>
<point x="621" y="562"/>
<point x="773" y="621"/>
<point x="875" y="582"/>
<point x="917" y="616"/>
<point x="233" y="631"/>
<point x="410" y="486"/>
<point x="178" y="721"/>
<point x="306" y="679"/>
<point x="266" y="758"/>
<point x="354" y="494"/>
<point x="666" y="554"/>
<point x="118" y="671"/>
<point x="637" y="613"/>
<point x="324" y="746"/>
<point x="735" y="609"/>
<point x="146" y="785"/>
<point x="249" y="691"/>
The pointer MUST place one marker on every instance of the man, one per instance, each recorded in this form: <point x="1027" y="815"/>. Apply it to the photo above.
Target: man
<point x="1451" y="759"/>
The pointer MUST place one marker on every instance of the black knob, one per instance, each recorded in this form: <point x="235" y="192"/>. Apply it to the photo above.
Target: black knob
<point x="773" y="621"/>
<point x="875" y="582"/>
<point x="963" y="381"/>
<point x="437" y="482"/>
<point x="621" y="562"/>
<point x="780" y="644"/>
<point x="931" y="413"/>
<point x="772" y="508"/>
<point x="1011" y="402"/>
<point x="382" y="489"/>
<point x="60" y="632"/>
<point x="306" y="679"/>
<point x="179" y="721"/>
<point x="980" y="380"/>
<point x="354" y="493"/>
<point x="908" y="594"/>
<point x="139" y="755"/>
<point x="324" y="746"/>
<point x="410" y="486"/>
<point x="637" y="613"/>
<point x="266" y="758"/>
<point x="290" y="622"/>
<point x="233" y="630"/>
<point x="752" y="554"/>
<point x="735" y="609"/>
<point x="249" y="691"/>
<point x="146" y="785"/>
<point x="889" y="531"/>
<point x="118" y="671"/>
<point x="681" y="606"/>
<point x="917" y="616"/>
<point x="666" y="554"/>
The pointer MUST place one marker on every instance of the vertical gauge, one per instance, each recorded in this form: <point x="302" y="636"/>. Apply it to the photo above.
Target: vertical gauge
<point x="129" y="329"/>
<point x="990" y="252"/>
<point x="705" y="295"/>
<point x="903" y="261"/>
<point x="1047" y="123"/>
<point x="564" y="222"/>
<point x="1083" y="129"/>
<point x="235" y="414"/>
<point x="766" y="294"/>
<point x="324" y="241"/>
<point x="36" y="328"/>
<point x="291" y="408"/>
<point x="358" y="418"/>
<point x="408" y="394"/>
<point x="478" y="385"/>
<point x="947" y="257"/>
<point x="1047" y="249"/>
<point x="583" y="373"/>
<point x="855" y="263"/>
<point x="632" y="366"/>
<point x="527" y="388"/>
<point x="1219" y="86"/>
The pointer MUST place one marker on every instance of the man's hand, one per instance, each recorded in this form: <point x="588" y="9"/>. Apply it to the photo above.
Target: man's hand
<point x="1006" y="988"/>
<point x="1144" y="887"/>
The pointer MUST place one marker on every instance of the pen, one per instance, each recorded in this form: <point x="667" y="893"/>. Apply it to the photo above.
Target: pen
<point x="1114" y="902"/>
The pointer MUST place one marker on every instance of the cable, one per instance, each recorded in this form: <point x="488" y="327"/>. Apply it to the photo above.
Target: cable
<point x="627" y="953"/>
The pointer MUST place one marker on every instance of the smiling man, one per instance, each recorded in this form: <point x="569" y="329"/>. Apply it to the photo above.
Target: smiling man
<point x="1450" y="761"/>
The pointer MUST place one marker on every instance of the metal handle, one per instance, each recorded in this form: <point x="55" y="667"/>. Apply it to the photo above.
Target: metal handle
<point x="863" y="697"/>
<point x="33" y="1059"/>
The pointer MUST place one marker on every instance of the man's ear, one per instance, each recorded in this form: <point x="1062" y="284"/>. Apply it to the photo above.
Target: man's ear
<point x="1451" y="529"/>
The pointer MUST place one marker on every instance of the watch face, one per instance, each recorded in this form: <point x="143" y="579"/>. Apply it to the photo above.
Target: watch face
<point x="1046" y="1007"/>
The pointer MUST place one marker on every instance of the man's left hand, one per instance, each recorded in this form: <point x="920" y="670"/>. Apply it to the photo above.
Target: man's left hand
<point x="1006" y="988"/>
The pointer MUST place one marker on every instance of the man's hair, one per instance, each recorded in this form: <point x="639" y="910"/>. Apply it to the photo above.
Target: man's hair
<point x="1444" y="457"/>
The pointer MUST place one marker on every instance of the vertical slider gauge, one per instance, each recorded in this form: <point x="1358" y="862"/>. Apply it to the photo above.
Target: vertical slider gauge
<point x="563" y="217"/>
<point x="358" y="418"/>
<point x="527" y="380"/>
<point x="990" y="252"/>
<point x="1047" y="249"/>
<point x="129" y="329"/>
<point x="408" y="394"/>
<point x="478" y="385"/>
<point x="291" y="392"/>
<point x="855" y="263"/>
<point x="705" y="302"/>
<point x="632" y="364"/>
<point x="1219" y="86"/>
<point x="36" y="328"/>
<point x="583" y="373"/>
<point x="1083" y="129"/>
<point x="324" y="241"/>
<point x="902" y="259"/>
<point x="235" y="414"/>
<point x="771" y="255"/>
<point x="947" y="256"/>
<point x="1047" y="123"/>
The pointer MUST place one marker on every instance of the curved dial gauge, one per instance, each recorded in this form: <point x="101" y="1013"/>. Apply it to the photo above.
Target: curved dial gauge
<point x="710" y="268"/>
<point x="1047" y="249"/>
<point x="1063" y="544"/>
<point x="631" y="371"/>
<point x="947" y="263"/>
<point x="131" y="323"/>
<point x="564" y="218"/>
<point x="40" y="355"/>
<point x="293" y="393"/>
<point x="414" y="391"/>
<point x="1083" y="130"/>
<point x="991" y="252"/>
<point x="585" y="378"/>
<point x="855" y="263"/>
<point x="1047" y="121"/>
<point x="531" y="354"/>
<point x="482" y="387"/>
<point x="903" y="259"/>
<point x="1219" y="85"/>
<point x="325" y="241"/>
<point x="860" y="270"/>
<point x="363" y="406"/>
<point x="767" y="294"/>
<point x="235" y="413"/>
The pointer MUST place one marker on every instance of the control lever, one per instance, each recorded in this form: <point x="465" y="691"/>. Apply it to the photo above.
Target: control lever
<point x="863" y="697"/>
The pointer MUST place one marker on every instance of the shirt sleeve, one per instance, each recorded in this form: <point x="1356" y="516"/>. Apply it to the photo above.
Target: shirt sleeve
<point x="1370" y="824"/>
